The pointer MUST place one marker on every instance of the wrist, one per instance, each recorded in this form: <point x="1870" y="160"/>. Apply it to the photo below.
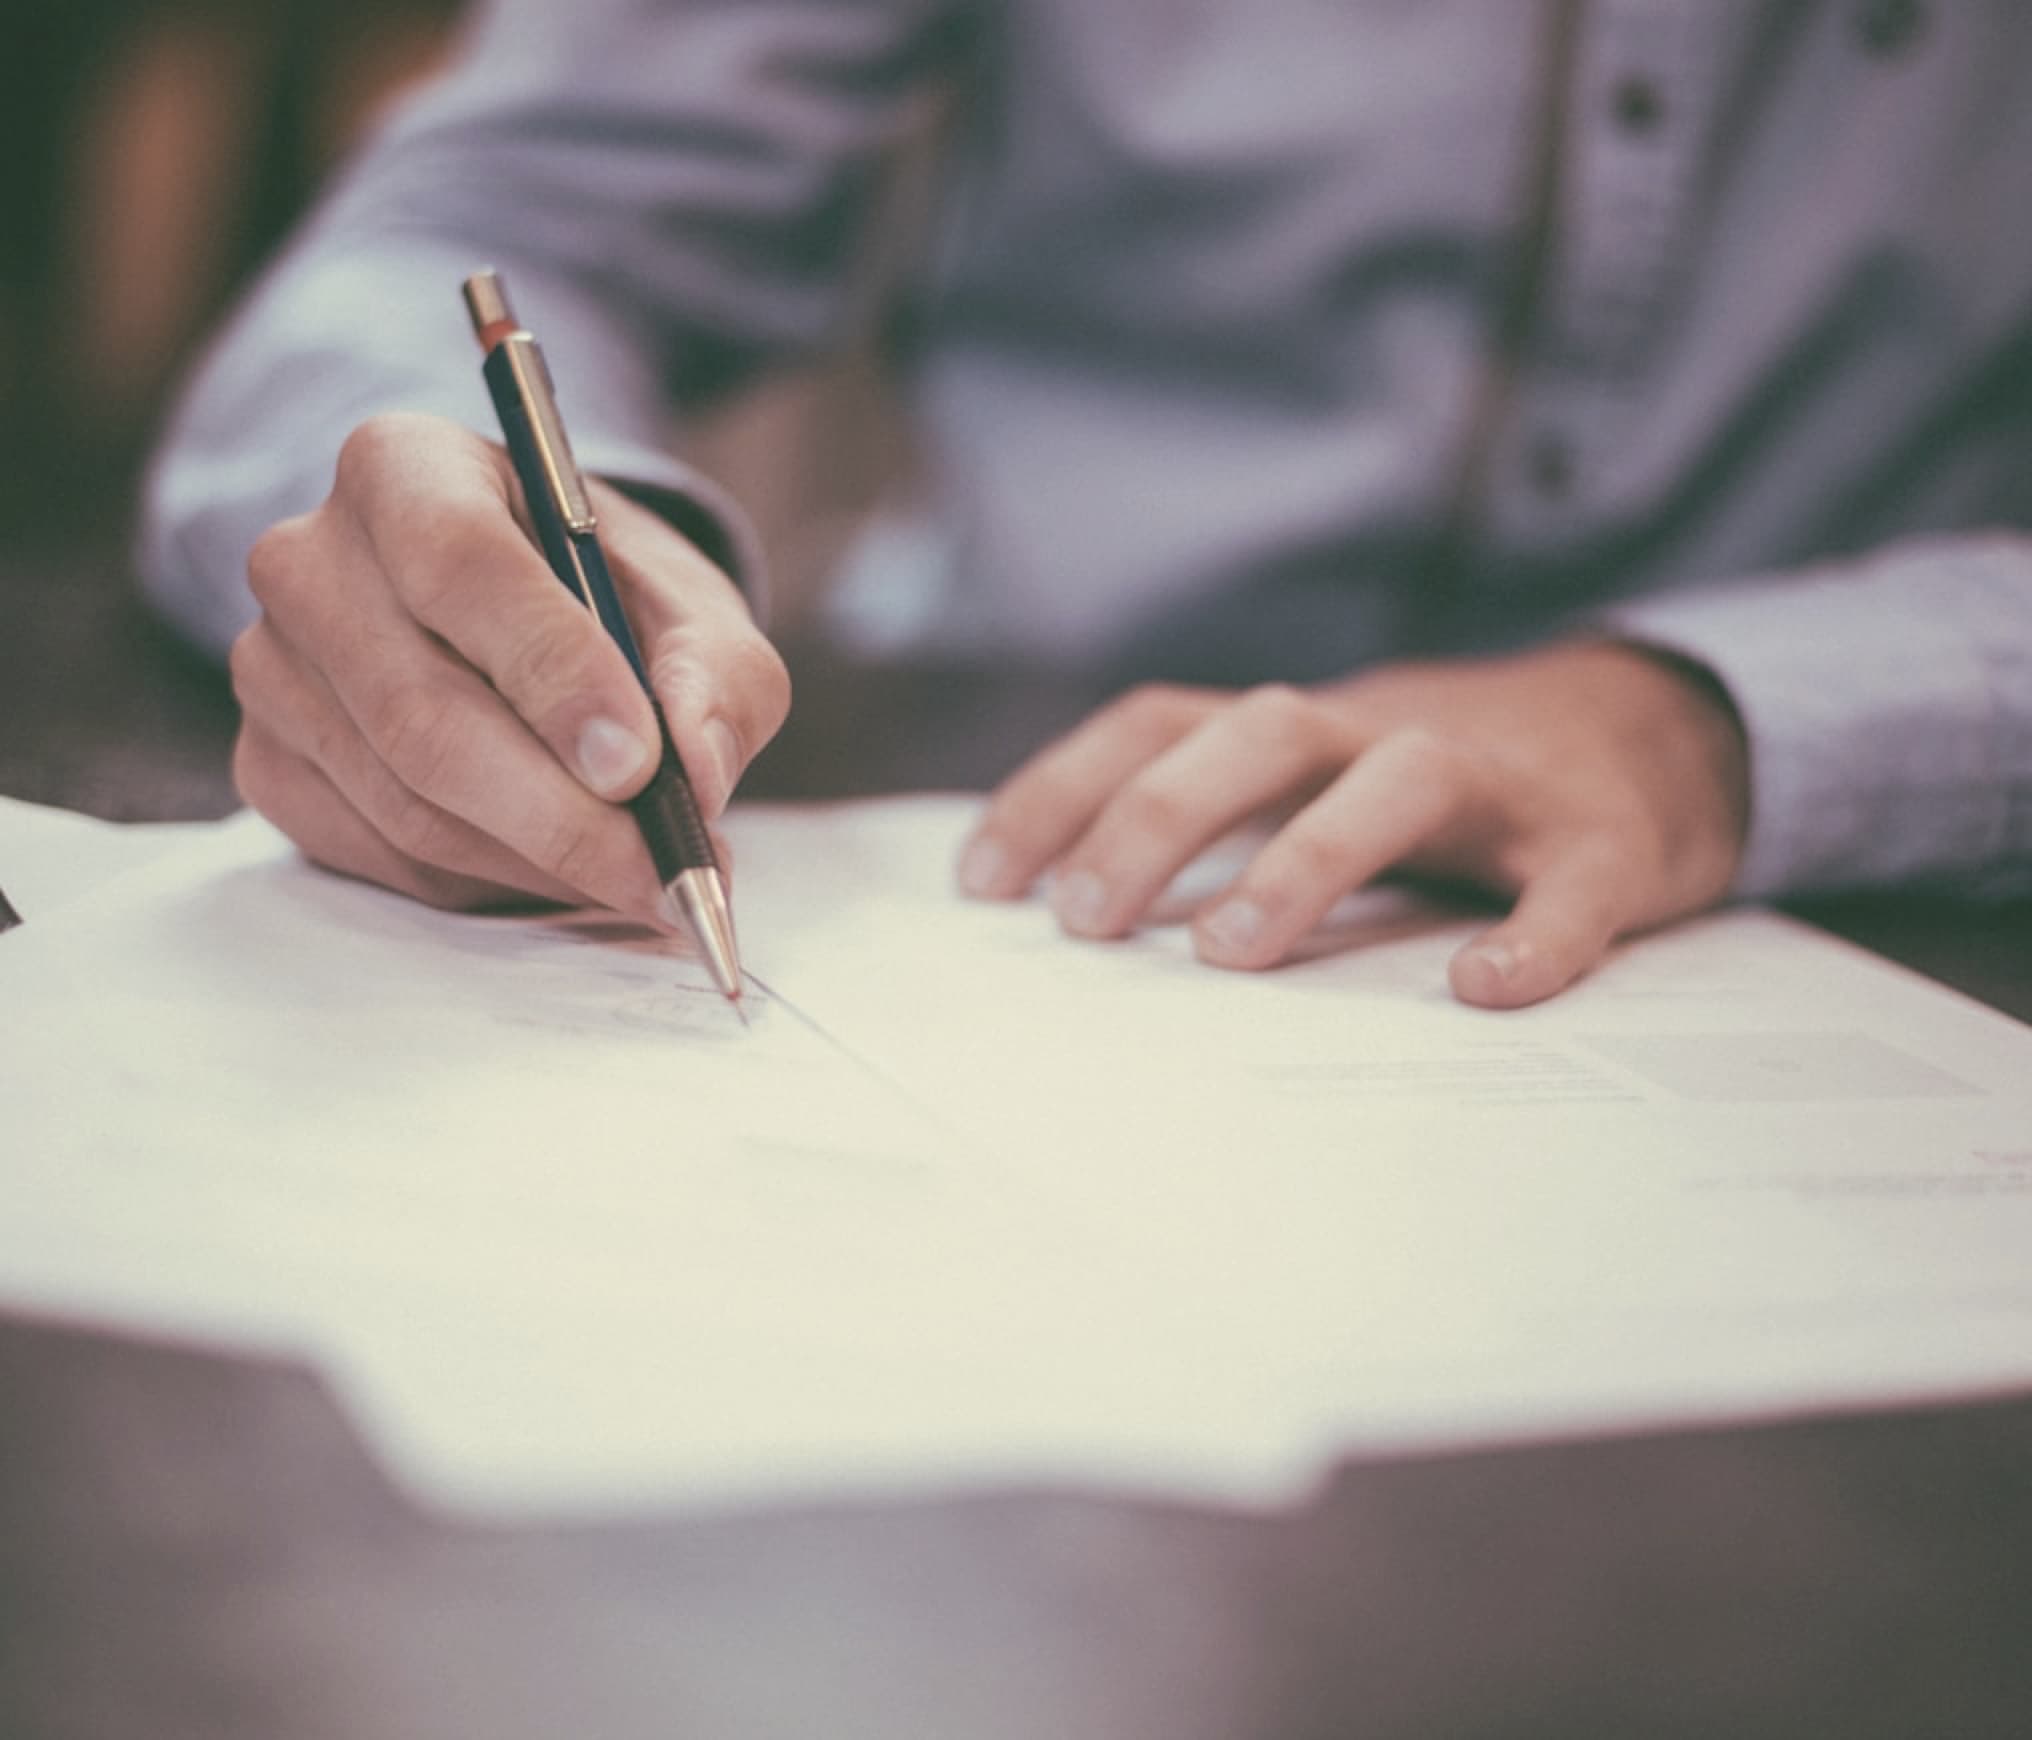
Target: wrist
<point x="1676" y="717"/>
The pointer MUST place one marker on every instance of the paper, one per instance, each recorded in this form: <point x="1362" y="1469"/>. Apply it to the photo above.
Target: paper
<point x="972" y="1203"/>
<point x="50" y="857"/>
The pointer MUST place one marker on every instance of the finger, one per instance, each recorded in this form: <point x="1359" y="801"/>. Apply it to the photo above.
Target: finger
<point x="1563" y="923"/>
<point x="312" y="811"/>
<point x="433" y="504"/>
<point x="291" y="703"/>
<point x="1270" y="744"/>
<point x="1403" y="794"/>
<point x="444" y="734"/>
<point x="1051" y="800"/>
<point x="722" y="687"/>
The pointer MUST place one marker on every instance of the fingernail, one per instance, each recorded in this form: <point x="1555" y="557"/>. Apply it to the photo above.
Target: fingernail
<point x="725" y="749"/>
<point x="1499" y="958"/>
<point x="1487" y="973"/>
<point x="1078" y="899"/>
<point x="981" y="867"/>
<point x="610" y="755"/>
<point x="1232" y="928"/>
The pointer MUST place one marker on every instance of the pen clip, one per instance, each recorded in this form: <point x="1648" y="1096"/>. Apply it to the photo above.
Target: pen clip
<point x="505" y="337"/>
<point x="553" y="447"/>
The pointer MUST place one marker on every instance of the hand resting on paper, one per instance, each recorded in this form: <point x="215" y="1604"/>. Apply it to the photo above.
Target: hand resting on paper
<point x="1604" y="787"/>
<point x="424" y="706"/>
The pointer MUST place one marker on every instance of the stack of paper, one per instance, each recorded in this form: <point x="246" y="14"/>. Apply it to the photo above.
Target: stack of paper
<point x="970" y="1202"/>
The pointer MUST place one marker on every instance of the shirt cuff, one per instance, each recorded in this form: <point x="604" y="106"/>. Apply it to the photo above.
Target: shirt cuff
<point x="1885" y="745"/>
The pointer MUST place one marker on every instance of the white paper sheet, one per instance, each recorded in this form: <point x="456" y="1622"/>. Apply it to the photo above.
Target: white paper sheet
<point x="50" y="857"/>
<point x="973" y="1203"/>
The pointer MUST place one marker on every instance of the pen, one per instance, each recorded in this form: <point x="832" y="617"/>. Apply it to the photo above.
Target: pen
<point x="666" y="809"/>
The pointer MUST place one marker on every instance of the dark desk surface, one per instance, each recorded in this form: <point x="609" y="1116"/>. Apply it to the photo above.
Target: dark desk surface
<point x="193" y="1546"/>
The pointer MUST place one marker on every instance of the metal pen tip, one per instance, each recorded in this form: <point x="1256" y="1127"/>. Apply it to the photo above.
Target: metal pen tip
<point x="700" y="898"/>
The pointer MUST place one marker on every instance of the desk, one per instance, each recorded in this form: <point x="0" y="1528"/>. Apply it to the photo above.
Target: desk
<point x="195" y="1546"/>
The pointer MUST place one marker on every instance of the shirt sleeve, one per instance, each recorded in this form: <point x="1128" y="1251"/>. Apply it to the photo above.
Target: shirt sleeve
<point x="674" y="192"/>
<point x="1887" y="702"/>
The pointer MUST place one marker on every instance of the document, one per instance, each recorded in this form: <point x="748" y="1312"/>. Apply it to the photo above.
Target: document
<point x="49" y="857"/>
<point x="969" y="1203"/>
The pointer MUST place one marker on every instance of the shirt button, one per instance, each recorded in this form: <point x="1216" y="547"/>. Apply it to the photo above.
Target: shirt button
<point x="1549" y="466"/>
<point x="1890" y="27"/>
<point x="1636" y="104"/>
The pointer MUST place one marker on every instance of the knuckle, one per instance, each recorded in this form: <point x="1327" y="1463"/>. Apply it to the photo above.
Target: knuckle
<point x="253" y="770"/>
<point x="376" y="448"/>
<point x="1154" y="707"/>
<point x="439" y="575"/>
<point x="1421" y="755"/>
<point x="280" y="561"/>
<point x="1308" y="858"/>
<point x="761" y="674"/>
<point x="413" y="827"/>
<point x="1016" y="808"/>
<point x="547" y="668"/>
<point x="577" y="856"/>
<point x="1147" y="810"/>
<point x="416" y="734"/>
<point x="672" y="669"/>
<point x="745" y="677"/>
<point x="1280" y="713"/>
<point x="244" y="662"/>
<point x="329" y="740"/>
<point x="1276" y="701"/>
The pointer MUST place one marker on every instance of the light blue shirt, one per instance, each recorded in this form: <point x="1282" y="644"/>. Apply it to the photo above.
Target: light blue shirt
<point x="1269" y="338"/>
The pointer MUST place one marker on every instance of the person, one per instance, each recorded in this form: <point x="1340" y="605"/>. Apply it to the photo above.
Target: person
<point x="1577" y="449"/>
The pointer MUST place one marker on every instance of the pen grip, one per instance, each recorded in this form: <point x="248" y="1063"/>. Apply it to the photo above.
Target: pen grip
<point x="666" y="809"/>
<point x="668" y="815"/>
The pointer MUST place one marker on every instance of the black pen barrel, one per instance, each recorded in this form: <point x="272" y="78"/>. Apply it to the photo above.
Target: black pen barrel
<point x="561" y="513"/>
<point x="668" y="815"/>
<point x="666" y="810"/>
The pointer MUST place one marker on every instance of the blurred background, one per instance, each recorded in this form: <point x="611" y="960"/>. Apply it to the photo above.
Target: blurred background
<point x="157" y="149"/>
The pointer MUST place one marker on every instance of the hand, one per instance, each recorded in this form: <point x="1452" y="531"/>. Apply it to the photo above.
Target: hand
<point x="1604" y="787"/>
<point x="426" y="707"/>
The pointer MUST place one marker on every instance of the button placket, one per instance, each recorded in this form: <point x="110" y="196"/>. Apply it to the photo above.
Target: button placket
<point x="1647" y="84"/>
<point x="1637" y="104"/>
<point x="1888" y="28"/>
<point x="1549" y="465"/>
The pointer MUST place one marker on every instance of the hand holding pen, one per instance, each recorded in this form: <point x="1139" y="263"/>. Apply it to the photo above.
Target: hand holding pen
<point x="666" y="809"/>
<point x="424" y="706"/>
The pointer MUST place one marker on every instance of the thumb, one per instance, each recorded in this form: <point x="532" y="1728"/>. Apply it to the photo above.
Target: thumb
<point x="1562" y="925"/>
